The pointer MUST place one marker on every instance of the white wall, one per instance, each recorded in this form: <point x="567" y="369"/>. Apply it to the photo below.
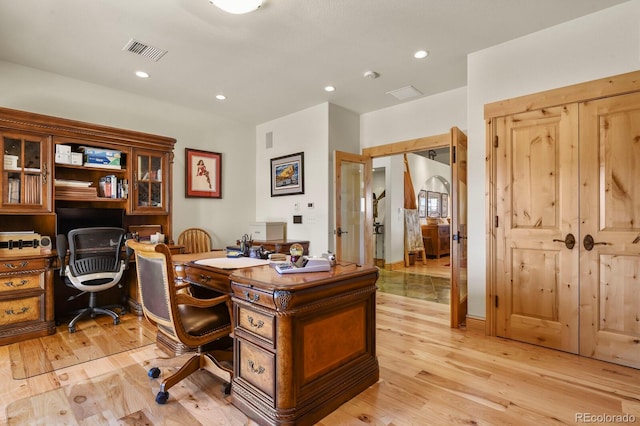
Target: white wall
<point x="304" y="131"/>
<point x="344" y="135"/>
<point x="316" y="131"/>
<point x="596" y="46"/>
<point x="32" y="90"/>
<point x="423" y="117"/>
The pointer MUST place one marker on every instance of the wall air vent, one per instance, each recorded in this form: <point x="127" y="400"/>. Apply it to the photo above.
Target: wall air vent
<point x="404" y="93"/>
<point x="142" y="49"/>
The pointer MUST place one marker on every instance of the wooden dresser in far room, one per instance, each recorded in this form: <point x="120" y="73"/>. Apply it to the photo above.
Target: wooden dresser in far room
<point x="436" y="240"/>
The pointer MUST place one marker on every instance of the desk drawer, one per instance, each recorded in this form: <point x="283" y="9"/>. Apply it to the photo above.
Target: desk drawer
<point x="204" y="278"/>
<point x="13" y="282"/>
<point x="253" y="296"/>
<point x="256" y="366"/>
<point x="256" y="323"/>
<point x="19" y="310"/>
<point x="19" y="265"/>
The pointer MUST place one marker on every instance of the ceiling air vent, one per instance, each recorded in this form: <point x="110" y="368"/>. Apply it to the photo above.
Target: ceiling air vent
<point x="404" y="93"/>
<point x="142" y="49"/>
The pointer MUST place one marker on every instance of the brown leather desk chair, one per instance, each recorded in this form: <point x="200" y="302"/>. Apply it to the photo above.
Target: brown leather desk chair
<point x="183" y="318"/>
<point x="195" y="240"/>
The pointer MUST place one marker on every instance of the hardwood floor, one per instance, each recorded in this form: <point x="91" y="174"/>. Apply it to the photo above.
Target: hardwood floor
<point x="431" y="282"/>
<point x="429" y="375"/>
<point x="434" y="267"/>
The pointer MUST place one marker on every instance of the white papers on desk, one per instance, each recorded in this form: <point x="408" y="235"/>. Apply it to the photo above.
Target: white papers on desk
<point x="232" y="263"/>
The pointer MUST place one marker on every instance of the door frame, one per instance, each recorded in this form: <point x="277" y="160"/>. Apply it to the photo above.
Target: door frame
<point x="346" y="157"/>
<point x="421" y="144"/>
<point x="581" y="92"/>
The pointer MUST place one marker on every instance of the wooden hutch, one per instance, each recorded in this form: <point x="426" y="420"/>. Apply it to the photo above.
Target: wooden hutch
<point x="35" y="185"/>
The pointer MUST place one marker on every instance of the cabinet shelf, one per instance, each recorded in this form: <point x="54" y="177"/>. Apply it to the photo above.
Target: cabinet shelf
<point x="92" y="199"/>
<point x="107" y="170"/>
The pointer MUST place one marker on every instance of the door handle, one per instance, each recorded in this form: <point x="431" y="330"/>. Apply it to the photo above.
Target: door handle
<point x="569" y="241"/>
<point x="340" y="232"/>
<point x="457" y="237"/>
<point x="589" y="243"/>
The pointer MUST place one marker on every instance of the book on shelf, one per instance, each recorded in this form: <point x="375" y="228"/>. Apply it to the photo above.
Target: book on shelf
<point x="103" y="166"/>
<point x="14" y="190"/>
<point x="75" y="183"/>
<point x="109" y="187"/>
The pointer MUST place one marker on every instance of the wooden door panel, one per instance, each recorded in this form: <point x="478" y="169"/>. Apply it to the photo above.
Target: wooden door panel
<point x="535" y="284"/>
<point x="534" y="170"/>
<point x="537" y="274"/>
<point x="610" y="214"/>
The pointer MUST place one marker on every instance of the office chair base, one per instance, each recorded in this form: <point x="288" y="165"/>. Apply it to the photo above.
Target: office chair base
<point x="219" y="363"/>
<point x="92" y="312"/>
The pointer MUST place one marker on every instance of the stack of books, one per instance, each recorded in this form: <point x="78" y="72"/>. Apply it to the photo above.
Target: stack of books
<point x="75" y="188"/>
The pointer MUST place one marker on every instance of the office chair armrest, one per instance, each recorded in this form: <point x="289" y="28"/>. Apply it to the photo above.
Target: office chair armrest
<point x="185" y="299"/>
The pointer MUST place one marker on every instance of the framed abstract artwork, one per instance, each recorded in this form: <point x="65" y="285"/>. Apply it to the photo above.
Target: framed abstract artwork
<point x="203" y="174"/>
<point x="287" y="175"/>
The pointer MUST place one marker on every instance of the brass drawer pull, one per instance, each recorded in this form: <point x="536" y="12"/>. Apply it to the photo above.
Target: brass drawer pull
<point x="20" y="312"/>
<point x="258" y="370"/>
<point x="251" y="298"/>
<point x="256" y="324"/>
<point x="11" y="284"/>
<point x="205" y="278"/>
<point x="12" y="266"/>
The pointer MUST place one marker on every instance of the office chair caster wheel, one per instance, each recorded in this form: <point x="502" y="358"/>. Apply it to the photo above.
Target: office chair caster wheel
<point x="72" y="329"/>
<point x="154" y="373"/>
<point x="116" y="321"/>
<point x="162" y="397"/>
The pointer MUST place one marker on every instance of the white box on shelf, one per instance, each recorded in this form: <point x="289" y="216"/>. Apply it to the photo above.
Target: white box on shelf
<point x="76" y="158"/>
<point x="63" y="158"/>
<point x="11" y="162"/>
<point x="265" y="231"/>
<point x="63" y="149"/>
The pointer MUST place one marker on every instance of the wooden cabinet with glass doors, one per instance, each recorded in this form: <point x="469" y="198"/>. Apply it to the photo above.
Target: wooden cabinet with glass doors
<point x="26" y="178"/>
<point x="35" y="188"/>
<point x="150" y="190"/>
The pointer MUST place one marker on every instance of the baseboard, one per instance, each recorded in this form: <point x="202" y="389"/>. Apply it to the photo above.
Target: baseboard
<point x="394" y="266"/>
<point x="475" y="324"/>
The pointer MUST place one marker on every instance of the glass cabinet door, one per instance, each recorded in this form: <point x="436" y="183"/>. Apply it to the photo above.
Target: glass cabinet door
<point x="25" y="173"/>
<point x="149" y="179"/>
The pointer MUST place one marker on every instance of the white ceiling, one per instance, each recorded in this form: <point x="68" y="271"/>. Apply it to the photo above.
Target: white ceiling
<point x="274" y="61"/>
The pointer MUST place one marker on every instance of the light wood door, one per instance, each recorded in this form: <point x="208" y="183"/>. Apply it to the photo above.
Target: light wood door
<point x="458" y="228"/>
<point x="537" y="211"/>
<point x="610" y="215"/>
<point x="354" y="208"/>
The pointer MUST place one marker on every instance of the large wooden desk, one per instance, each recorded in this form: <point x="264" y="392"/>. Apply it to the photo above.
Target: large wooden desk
<point x="303" y="343"/>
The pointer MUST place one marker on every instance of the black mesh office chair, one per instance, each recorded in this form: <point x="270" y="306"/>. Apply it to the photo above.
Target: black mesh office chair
<point x="95" y="264"/>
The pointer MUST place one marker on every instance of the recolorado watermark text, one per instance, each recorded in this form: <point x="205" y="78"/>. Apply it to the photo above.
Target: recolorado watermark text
<point x="605" y="418"/>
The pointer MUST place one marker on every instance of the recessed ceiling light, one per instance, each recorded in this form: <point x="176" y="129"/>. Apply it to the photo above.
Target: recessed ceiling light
<point x="329" y="88"/>
<point x="421" y="54"/>
<point x="221" y="97"/>
<point x="142" y="74"/>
